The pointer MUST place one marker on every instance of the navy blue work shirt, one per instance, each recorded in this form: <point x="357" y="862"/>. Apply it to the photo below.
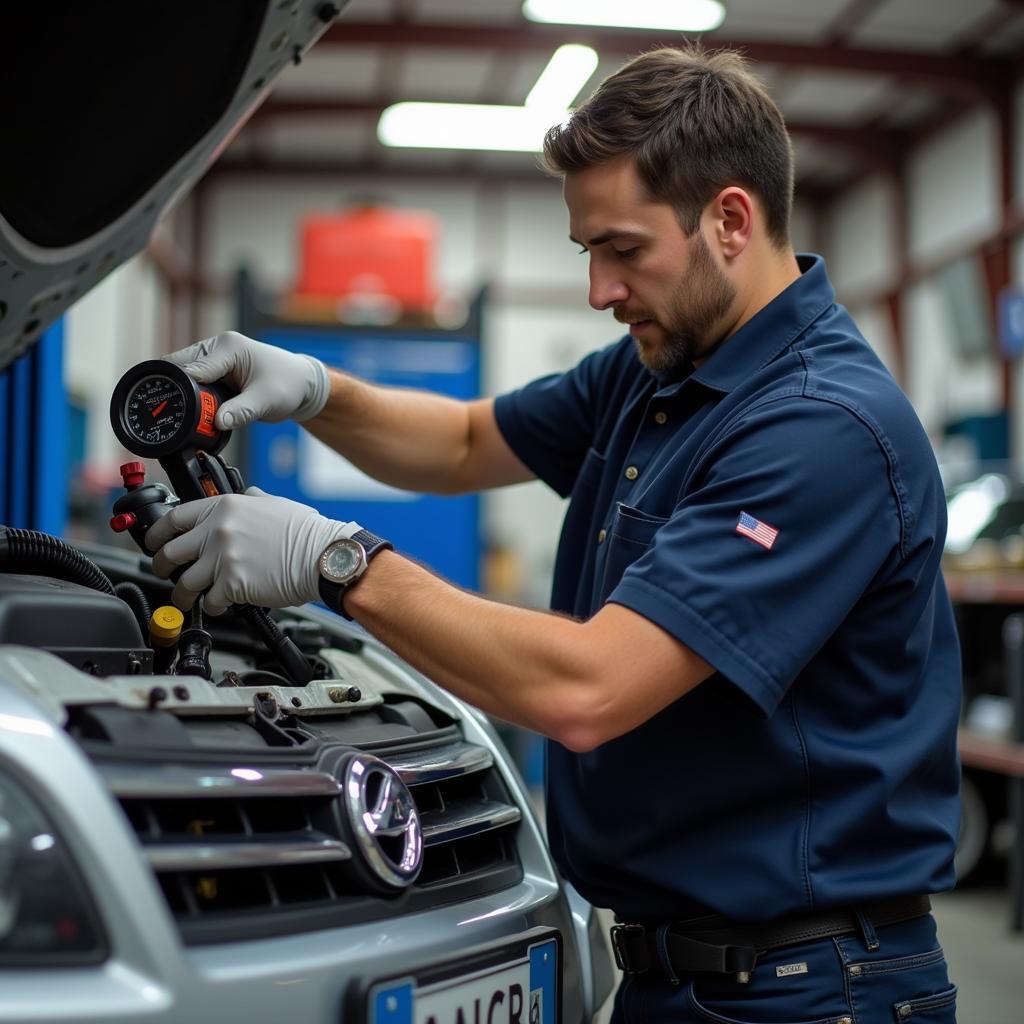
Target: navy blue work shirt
<point x="780" y="512"/>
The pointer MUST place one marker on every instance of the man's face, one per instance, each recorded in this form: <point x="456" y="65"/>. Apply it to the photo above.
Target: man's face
<point x="665" y="286"/>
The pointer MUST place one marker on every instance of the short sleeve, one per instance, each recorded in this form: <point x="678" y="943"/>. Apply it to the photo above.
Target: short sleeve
<point x="774" y="544"/>
<point x="551" y="422"/>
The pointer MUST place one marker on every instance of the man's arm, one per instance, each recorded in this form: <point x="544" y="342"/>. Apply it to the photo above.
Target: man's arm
<point x="581" y="683"/>
<point x="410" y="439"/>
<point x="416" y="440"/>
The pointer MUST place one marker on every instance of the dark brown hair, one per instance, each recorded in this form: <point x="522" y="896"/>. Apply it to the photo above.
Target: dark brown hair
<point x="693" y="122"/>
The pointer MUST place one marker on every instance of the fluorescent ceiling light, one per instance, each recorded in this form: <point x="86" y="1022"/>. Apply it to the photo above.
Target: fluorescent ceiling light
<point x="679" y="15"/>
<point x="560" y="82"/>
<point x="465" y="126"/>
<point x="483" y="126"/>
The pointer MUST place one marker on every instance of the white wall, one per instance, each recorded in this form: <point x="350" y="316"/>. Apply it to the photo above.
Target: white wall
<point x="953" y="186"/>
<point x="861" y="239"/>
<point x="115" y="325"/>
<point x="952" y="194"/>
<point x="942" y="385"/>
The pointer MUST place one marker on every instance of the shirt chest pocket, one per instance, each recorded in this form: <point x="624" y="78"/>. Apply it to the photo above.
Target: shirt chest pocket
<point x="627" y="538"/>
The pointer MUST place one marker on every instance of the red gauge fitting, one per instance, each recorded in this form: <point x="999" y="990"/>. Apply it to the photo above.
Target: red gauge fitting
<point x="122" y="522"/>
<point x="133" y="474"/>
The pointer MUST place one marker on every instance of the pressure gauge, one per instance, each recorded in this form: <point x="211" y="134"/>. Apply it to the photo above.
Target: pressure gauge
<point x="154" y="410"/>
<point x="158" y="410"/>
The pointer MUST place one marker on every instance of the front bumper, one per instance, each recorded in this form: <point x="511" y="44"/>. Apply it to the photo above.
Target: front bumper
<point x="152" y="976"/>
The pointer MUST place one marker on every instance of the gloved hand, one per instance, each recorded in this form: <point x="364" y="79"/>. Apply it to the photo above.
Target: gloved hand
<point x="250" y="548"/>
<point x="274" y="385"/>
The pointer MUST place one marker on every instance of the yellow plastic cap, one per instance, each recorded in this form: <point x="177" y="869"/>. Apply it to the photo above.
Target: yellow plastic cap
<point x="165" y="625"/>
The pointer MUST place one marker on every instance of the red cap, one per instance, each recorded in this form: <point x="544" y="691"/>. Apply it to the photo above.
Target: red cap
<point x="133" y="473"/>
<point x="122" y="522"/>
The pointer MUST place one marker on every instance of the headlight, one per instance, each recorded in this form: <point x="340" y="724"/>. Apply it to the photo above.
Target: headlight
<point x="46" y="916"/>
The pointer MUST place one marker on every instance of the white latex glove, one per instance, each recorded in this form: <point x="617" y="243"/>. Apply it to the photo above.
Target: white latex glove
<point x="273" y="384"/>
<point x="250" y="548"/>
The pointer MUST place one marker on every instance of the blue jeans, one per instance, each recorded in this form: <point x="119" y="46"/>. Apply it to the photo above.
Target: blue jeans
<point x="828" y="981"/>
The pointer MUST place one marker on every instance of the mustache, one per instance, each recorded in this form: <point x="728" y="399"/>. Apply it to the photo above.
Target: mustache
<point x="630" y="316"/>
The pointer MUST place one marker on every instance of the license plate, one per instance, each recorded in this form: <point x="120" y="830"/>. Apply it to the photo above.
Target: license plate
<point x="508" y="984"/>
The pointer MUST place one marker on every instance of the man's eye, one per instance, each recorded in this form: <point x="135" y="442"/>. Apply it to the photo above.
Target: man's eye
<point x="627" y="254"/>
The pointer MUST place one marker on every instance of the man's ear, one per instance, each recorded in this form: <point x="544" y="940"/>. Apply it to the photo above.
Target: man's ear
<point x="732" y="220"/>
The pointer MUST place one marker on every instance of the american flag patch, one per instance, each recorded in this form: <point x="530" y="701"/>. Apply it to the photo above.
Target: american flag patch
<point x="757" y="531"/>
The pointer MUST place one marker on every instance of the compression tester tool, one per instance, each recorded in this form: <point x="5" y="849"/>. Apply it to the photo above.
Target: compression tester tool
<point x="159" y="412"/>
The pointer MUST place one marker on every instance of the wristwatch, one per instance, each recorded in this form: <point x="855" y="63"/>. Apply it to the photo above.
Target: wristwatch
<point x="343" y="562"/>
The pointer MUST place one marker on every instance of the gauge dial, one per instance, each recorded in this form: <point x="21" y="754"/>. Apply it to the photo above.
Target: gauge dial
<point x="154" y="410"/>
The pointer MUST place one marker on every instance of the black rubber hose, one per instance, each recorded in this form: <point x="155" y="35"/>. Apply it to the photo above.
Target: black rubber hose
<point x="39" y="554"/>
<point x="133" y="596"/>
<point x="292" y="660"/>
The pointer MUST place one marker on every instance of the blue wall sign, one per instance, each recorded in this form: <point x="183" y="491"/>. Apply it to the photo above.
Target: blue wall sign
<point x="1011" y="321"/>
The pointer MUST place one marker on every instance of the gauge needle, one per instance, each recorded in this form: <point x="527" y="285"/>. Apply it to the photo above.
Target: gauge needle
<point x="159" y="409"/>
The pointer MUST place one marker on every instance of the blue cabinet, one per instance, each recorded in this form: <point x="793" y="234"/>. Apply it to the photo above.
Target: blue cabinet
<point x="33" y="437"/>
<point x="282" y="458"/>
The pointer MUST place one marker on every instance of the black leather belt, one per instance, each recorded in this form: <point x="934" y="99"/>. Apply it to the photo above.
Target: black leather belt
<point x="717" y="944"/>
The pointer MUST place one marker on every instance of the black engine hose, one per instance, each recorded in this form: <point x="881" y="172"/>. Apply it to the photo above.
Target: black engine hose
<point x="39" y="554"/>
<point x="133" y="596"/>
<point x="292" y="660"/>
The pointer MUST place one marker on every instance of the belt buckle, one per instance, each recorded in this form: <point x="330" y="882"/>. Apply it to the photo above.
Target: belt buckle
<point x="620" y="932"/>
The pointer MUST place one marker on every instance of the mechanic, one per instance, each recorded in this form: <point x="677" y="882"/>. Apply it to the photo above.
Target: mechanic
<point x="750" y="682"/>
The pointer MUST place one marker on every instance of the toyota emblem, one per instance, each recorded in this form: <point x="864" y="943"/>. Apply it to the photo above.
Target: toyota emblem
<point x="384" y="820"/>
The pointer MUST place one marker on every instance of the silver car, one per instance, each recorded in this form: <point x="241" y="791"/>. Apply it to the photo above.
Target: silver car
<point x="175" y="848"/>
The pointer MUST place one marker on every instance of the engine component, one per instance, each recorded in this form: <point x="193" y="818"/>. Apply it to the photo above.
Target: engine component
<point x="133" y="596"/>
<point x="93" y="631"/>
<point x="164" y="629"/>
<point x="40" y="554"/>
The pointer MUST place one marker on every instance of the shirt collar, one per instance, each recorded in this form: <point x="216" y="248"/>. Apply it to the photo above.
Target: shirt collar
<point x="772" y="329"/>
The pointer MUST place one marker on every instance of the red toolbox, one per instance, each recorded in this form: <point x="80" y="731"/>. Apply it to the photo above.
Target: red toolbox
<point x="370" y="250"/>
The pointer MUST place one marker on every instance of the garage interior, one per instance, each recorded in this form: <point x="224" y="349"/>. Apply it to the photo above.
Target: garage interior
<point x="907" y="118"/>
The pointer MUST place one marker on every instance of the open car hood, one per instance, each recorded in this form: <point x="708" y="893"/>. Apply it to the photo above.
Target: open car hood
<point x="111" y="114"/>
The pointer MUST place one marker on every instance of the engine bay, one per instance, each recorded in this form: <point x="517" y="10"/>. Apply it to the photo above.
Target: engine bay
<point x="106" y="684"/>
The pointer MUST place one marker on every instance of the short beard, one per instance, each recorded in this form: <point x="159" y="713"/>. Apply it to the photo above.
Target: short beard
<point x="700" y="301"/>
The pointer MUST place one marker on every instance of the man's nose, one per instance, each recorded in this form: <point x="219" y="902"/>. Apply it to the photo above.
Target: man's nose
<point x="606" y="290"/>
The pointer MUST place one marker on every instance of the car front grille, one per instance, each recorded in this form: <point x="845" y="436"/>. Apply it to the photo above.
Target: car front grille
<point x="246" y="852"/>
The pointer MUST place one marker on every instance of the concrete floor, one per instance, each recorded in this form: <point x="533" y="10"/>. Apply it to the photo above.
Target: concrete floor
<point x="986" y="959"/>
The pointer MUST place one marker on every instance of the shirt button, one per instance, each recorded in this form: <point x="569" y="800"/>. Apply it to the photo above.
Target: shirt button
<point x="661" y="417"/>
<point x="632" y="472"/>
<point x="601" y="536"/>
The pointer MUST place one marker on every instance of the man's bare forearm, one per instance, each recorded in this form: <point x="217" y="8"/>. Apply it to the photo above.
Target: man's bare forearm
<point x="409" y="439"/>
<point x="580" y="683"/>
<point x="527" y="667"/>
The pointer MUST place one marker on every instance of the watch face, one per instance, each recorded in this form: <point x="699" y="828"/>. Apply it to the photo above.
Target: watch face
<point x="342" y="560"/>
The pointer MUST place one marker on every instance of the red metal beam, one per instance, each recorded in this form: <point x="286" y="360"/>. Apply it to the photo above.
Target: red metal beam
<point x="849" y="20"/>
<point x="255" y="166"/>
<point x="954" y="75"/>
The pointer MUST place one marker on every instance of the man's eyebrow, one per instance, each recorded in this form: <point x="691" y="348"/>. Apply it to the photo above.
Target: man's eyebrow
<point x="608" y="235"/>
